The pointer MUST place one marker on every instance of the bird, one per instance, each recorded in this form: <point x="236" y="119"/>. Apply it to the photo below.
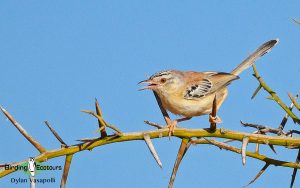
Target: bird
<point x="190" y="93"/>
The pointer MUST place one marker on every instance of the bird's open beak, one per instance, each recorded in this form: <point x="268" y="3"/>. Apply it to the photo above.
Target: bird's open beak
<point x="151" y="84"/>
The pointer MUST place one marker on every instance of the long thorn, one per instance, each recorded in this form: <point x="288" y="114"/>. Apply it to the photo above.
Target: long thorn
<point x="244" y="149"/>
<point x="37" y="145"/>
<point x="272" y="148"/>
<point x="153" y="124"/>
<point x="256" y="91"/>
<point x="256" y="148"/>
<point x="295" y="170"/>
<point x="184" y="146"/>
<point x="68" y="161"/>
<point x="298" y="22"/>
<point x="294" y="100"/>
<point x="285" y="118"/>
<point x="119" y="132"/>
<point x="55" y="134"/>
<point x="99" y="113"/>
<point x="152" y="149"/>
<point x="259" y="174"/>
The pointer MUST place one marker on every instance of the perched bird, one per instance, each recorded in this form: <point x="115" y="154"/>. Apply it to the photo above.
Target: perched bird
<point x="189" y="93"/>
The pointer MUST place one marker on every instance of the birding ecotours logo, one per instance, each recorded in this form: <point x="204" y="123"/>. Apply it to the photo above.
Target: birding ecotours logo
<point x="31" y="166"/>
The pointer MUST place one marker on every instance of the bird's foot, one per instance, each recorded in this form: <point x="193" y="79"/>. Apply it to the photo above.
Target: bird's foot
<point x="214" y="119"/>
<point x="171" y="126"/>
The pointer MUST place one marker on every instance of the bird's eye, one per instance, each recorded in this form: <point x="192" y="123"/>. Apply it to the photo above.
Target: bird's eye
<point x="163" y="80"/>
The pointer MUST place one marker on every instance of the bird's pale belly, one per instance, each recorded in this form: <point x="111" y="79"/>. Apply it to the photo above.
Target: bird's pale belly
<point x="189" y="108"/>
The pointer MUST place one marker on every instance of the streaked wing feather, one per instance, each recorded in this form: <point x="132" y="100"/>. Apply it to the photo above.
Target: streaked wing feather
<point x="199" y="89"/>
<point x="212" y="82"/>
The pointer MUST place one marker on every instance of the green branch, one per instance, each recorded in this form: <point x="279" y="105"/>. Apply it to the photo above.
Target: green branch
<point x="274" y="96"/>
<point x="179" y="132"/>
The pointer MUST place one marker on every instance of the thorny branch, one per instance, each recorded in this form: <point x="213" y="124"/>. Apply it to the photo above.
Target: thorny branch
<point x="179" y="132"/>
<point x="188" y="137"/>
<point x="274" y="96"/>
<point x="254" y="155"/>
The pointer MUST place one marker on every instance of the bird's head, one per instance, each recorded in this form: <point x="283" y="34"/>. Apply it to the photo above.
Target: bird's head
<point x="168" y="80"/>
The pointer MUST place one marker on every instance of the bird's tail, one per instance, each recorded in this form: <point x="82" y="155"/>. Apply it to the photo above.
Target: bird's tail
<point x="262" y="50"/>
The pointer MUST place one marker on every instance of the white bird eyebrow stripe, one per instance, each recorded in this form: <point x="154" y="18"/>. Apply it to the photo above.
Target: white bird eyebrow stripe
<point x="161" y="73"/>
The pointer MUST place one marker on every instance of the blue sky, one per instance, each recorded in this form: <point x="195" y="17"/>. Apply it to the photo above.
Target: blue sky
<point x="57" y="56"/>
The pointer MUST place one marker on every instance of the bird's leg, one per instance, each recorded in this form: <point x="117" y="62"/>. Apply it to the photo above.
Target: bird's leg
<point x="173" y="124"/>
<point x="183" y="119"/>
<point x="170" y="124"/>
<point x="214" y="119"/>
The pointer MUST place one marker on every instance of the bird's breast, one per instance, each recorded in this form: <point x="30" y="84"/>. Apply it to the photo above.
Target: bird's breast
<point x="178" y="105"/>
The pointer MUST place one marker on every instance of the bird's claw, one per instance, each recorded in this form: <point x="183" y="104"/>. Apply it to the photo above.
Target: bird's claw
<point x="214" y="119"/>
<point x="171" y="126"/>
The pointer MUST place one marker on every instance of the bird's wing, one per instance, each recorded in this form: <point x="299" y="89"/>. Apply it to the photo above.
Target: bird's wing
<point x="208" y="83"/>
